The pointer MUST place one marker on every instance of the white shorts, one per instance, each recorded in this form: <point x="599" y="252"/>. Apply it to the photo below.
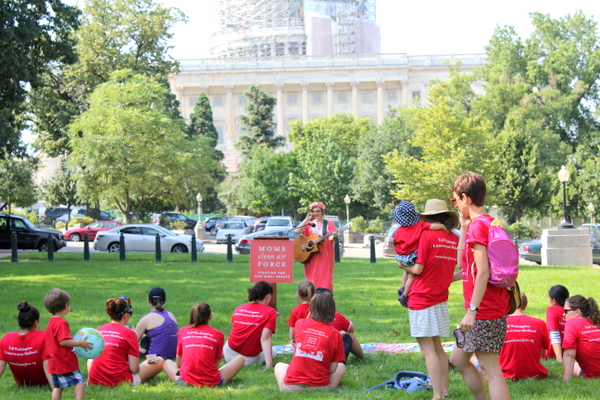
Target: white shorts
<point x="430" y="322"/>
<point x="136" y="380"/>
<point x="229" y="354"/>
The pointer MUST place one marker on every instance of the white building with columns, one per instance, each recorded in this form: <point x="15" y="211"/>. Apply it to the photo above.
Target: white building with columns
<point x="308" y="87"/>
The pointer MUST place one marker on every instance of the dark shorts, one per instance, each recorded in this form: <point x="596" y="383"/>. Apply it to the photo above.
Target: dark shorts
<point x="487" y="336"/>
<point x="66" y="380"/>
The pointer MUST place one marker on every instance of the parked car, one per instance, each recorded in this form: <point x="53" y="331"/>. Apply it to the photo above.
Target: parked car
<point x="532" y="251"/>
<point x="77" y="234"/>
<point x="248" y="220"/>
<point x="279" y="222"/>
<point x="28" y="235"/>
<point x="242" y="245"/>
<point x="51" y="213"/>
<point x="210" y="225"/>
<point x="235" y="228"/>
<point x="174" y="217"/>
<point x="142" y="237"/>
<point x="260" y="223"/>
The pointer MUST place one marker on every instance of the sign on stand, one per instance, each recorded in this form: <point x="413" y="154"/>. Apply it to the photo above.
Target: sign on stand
<point x="272" y="260"/>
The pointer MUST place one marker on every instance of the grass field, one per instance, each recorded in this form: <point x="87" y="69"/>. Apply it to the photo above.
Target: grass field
<point x="364" y="292"/>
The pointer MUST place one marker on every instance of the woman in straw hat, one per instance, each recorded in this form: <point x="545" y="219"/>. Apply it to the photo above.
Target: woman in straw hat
<point x="428" y="301"/>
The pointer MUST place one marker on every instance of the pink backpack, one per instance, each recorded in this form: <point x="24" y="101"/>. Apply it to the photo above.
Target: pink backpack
<point x="503" y="257"/>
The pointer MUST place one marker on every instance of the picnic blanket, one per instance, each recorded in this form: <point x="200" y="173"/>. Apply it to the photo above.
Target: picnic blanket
<point x="390" y="348"/>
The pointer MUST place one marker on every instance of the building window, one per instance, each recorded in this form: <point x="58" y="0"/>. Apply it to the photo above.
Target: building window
<point x="280" y="49"/>
<point x="416" y="95"/>
<point x="193" y="101"/>
<point x="292" y="99"/>
<point x="391" y="96"/>
<point x="366" y="97"/>
<point x="341" y="97"/>
<point x="218" y="101"/>
<point x="317" y="97"/>
<point x="243" y="100"/>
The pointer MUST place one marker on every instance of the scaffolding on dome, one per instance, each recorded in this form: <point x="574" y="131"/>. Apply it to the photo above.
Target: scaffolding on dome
<point x="274" y="28"/>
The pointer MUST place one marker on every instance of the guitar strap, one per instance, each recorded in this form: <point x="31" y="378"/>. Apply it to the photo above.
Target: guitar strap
<point x="324" y="227"/>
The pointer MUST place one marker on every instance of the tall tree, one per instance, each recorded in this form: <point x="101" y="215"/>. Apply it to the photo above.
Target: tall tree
<point x="258" y="124"/>
<point x="115" y="34"/>
<point x="16" y="181"/>
<point x="62" y="188"/>
<point x="35" y="36"/>
<point x="133" y="152"/>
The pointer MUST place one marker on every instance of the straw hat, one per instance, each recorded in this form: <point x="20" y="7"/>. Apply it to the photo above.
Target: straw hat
<point x="437" y="206"/>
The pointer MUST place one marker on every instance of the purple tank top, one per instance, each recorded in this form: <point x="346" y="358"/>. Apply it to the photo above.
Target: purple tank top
<point x="163" y="338"/>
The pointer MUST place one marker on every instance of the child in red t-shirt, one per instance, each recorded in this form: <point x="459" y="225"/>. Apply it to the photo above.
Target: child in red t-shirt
<point x="555" y="320"/>
<point x="406" y="241"/>
<point x="62" y="361"/>
<point x="319" y="351"/>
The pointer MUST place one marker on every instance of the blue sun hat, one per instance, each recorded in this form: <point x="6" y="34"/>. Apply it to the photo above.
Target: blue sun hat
<point x="405" y="214"/>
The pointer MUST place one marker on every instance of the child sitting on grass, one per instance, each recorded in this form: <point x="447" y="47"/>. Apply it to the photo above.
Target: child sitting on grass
<point x="62" y="361"/>
<point x="406" y="241"/>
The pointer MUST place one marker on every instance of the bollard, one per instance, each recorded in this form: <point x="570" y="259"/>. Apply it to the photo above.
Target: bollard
<point x="229" y="251"/>
<point x="86" y="247"/>
<point x="122" y="247"/>
<point x="157" y="250"/>
<point x="13" y="247"/>
<point x="194" y="249"/>
<point x="50" y="247"/>
<point x="372" y="240"/>
<point x="336" y="250"/>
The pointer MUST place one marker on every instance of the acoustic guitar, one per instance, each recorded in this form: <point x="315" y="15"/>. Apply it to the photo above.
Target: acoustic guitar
<point x="306" y="246"/>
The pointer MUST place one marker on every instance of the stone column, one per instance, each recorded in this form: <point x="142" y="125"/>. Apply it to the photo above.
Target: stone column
<point x="570" y="247"/>
<point x="230" y="115"/>
<point x="304" y="102"/>
<point x="380" y="108"/>
<point x="354" y="98"/>
<point x="329" y="98"/>
<point x="280" y="119"/>
<point x="405" y="98"/>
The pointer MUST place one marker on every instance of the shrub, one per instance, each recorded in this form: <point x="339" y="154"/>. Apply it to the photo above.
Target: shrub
<point x="178" y="225"/>
<point x="59" y="225"/>
<point x="163" y="221"/>
<point x="358" y="224"/>
<point x="82" y="221"/>
<point x="375" y="226"/>
<point x="520" y="231"/>
<point x="31" y="215"/>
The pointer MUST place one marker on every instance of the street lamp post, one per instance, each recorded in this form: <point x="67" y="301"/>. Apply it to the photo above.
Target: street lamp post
<point x="199" y="228"/>
<point x="347" y="201"/>
<point x="199" y="200"/>
<point x="591" y="209"/>
<point x="563" y="177"/>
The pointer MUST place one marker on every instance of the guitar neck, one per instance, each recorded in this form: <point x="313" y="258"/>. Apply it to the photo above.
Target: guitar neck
<point x="319" y="240"/>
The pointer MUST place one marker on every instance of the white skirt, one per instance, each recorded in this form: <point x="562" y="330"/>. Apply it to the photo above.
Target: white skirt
<point x="430" y="322"/>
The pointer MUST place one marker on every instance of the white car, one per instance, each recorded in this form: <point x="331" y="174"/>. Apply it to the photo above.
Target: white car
<point x="279" y="222"/>
<point x="142" y="237"/>
<point x="233" y="228"/>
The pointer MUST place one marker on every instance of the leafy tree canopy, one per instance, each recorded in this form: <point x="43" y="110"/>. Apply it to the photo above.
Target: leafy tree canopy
<point x="16" y="181"/>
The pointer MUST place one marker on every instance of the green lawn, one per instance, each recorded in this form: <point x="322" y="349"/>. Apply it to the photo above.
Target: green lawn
<point x="364" y="292"/>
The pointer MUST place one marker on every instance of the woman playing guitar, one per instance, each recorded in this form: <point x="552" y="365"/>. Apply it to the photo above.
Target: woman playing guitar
<point x="319" y="268"/>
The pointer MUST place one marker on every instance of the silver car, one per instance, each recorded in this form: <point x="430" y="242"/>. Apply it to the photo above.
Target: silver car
<point x="142" y="237"/>
<point x="233" y="228"/>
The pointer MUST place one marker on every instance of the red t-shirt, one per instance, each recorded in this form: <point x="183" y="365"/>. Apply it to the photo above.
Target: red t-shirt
<point x="437" y="253"/>
<point x="200" y="349"/>
<point x="317" y="346"/>
<point x="494" y="304"/>
<point x="112" y="367"/>
<point x="61" y="359"/>
<point x="406" y="238"/>
<point x="319" y="269"/>
<point x="341" y="323"/>
<point x="521" y="352"/>
<point x="299" y="312"/>
<point x="555" y="321"/>
<point x="25" y="355"/>
<point x="247" y="323"/>
<point x="582" y="335"/>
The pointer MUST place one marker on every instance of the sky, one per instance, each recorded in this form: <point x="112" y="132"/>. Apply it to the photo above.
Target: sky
<point x="412" y="27"/>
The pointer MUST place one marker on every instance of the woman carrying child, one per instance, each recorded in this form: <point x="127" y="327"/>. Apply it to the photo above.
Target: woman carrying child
<point x="483" y="327"/>
<point x="581" y="343"/>
<point x="119" y="362"/>
<point x="199" y="352"/>
<point x="319" y="351"/>
<point x="252" y="328"/>
<point x="23" y="351"/>
<point x="406" y="241"/>
<point x="433" y="271"/>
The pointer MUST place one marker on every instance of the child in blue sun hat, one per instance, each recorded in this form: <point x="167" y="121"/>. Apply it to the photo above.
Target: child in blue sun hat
<point x="406" y="241"/>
